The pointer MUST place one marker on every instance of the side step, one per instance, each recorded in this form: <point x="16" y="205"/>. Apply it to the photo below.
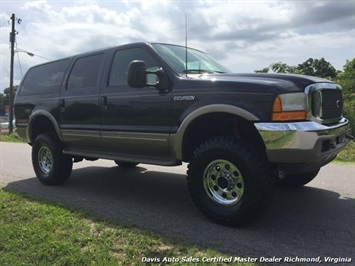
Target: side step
<point x="134" y="158"/>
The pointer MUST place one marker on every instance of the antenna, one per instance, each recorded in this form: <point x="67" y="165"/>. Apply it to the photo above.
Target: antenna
<point x="186" y="44"/>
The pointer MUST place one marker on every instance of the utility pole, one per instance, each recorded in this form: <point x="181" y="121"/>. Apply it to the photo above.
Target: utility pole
<point x="11" y="94"/>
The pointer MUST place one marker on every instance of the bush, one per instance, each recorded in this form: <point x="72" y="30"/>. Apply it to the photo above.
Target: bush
<point x="349" y="112"/>
<point x="347" y="80"/>
<point x="348" y="154"/>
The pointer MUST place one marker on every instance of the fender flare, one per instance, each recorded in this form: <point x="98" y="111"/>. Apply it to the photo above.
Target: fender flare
<point x="176" y="139"/>
<point x="46" y="114"/>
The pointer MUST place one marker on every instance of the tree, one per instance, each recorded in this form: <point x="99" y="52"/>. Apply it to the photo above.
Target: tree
<point x="284" y="68"/>
<point x="6" y="95"/>
<point x="5" y="98"/>
<point x="346" y="79"/>
<point x="264" y="70"/>
<point x="349" y="70"/>
<point x="317" y="67"/>
<point x="279" y="67"/>
<point x="2" y="104"/>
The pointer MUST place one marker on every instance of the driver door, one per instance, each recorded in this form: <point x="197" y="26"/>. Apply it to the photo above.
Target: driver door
<point x="134" y="121"/>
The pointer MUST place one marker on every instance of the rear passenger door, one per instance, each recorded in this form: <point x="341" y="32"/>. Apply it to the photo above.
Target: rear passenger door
<point x="78" y="103"/>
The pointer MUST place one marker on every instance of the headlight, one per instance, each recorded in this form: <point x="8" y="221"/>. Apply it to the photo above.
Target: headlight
<point x="290" y="107"/>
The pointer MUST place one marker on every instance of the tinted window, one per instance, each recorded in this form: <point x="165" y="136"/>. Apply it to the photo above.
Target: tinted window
<point x="85" y="72"/>
<point x="122" y="58"/>
<point x="45" y="78"/>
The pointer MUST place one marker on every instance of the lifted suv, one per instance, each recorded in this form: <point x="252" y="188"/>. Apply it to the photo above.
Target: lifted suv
<point x="165" y="104"/>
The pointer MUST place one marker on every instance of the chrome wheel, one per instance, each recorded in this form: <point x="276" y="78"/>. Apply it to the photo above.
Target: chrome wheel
<point x="223" y="182"/>
<point x="230" y="181"/>
<point x="45" y="159"/>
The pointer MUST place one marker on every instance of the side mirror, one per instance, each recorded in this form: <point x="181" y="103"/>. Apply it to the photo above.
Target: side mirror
<point x="137" y="74"/>
<point x="137" y="77"/>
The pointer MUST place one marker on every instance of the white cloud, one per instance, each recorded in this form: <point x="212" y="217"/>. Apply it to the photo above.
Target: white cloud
<point x="244" y="35"/>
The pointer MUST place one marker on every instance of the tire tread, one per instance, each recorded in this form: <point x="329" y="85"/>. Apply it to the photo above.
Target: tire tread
<point x="261" y="191"/>
<point x="62" y="163"/>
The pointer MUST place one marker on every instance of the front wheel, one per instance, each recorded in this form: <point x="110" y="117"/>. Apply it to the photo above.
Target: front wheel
<point x="230" y="182"/>
<point x="51" y="166"/>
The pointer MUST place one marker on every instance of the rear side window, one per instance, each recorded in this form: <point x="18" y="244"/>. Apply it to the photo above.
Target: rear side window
<point x="85" y="72"/>
<point x="46" y="78"/>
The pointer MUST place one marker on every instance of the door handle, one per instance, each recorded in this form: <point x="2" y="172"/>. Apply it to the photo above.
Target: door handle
<point x="103" y="102"/>
<point x="61" y="105"/>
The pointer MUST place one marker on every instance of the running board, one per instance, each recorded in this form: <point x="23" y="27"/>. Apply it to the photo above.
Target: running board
<point x="134" y="158"/>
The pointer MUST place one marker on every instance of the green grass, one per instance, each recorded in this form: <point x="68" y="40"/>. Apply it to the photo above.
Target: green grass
<point x="348" y="154"/>
<point x="36" y="232"/>
<point x="10" y="138"/>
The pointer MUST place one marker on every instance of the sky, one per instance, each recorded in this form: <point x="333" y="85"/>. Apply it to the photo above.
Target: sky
<point x="243" y="35"/>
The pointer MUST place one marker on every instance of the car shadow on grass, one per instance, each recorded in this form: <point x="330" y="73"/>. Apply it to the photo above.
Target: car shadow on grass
<point x="307" y="222"/>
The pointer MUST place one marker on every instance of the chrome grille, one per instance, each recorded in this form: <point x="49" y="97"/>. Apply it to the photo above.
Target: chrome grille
<point x="327" y="105"/>
<point x="332" y="104"/>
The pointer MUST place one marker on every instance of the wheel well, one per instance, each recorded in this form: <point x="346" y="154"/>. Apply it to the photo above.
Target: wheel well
<point x="40" y="125"/>
<point x="218" y="124"/>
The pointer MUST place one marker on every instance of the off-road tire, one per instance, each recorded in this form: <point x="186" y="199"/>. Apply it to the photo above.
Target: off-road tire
<point x="126" y="164"/>
<point x="51" y="166"/>
<point x="252" y="178"/>
<point x="297" y="180"/>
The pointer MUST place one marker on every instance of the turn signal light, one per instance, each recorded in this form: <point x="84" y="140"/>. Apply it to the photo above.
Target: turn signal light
<point x="289" y="116"/>
<point x="287" y="107"/>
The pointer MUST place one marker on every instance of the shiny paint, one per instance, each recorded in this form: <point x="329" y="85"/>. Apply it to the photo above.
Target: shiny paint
<point x="138" y="121"/>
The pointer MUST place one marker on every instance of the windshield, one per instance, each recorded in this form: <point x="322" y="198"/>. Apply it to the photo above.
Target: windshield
<point x="197" y="61"/>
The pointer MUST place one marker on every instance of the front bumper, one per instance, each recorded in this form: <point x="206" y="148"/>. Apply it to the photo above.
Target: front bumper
<point x="303" y="146"/>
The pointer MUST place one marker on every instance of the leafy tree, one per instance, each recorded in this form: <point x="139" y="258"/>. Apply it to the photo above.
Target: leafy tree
<point x="4" y="99"/>
<point x="347" y="80"/>
<point x="317" y="67"/>
<point x="279" y="67"/>
<point x="312" y="67"/>
<point x="2" y="103"/>
<point x="6" y="96"/>
<point x="264" y="70"/>
<point x="284" y="68"/>
<point x="349" y="70"/>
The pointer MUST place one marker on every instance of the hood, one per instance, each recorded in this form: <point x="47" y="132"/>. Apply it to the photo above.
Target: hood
<point x="283" y="82"/>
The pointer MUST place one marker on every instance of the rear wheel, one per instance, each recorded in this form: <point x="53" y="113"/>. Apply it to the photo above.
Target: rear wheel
<point x="230" y="182"/>
<point x="297" y="180"/>
<point x="126" y="164"/>
<point x="51" y="166"/>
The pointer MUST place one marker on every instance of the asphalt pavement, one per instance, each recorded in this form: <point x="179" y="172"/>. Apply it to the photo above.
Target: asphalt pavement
<point x="316" y="220"/>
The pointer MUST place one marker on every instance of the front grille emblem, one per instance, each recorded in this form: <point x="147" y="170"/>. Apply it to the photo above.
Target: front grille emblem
<point x="339" y="104"/>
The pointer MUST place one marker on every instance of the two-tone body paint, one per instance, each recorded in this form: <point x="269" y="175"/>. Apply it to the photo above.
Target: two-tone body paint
<point x="144" y="122"/>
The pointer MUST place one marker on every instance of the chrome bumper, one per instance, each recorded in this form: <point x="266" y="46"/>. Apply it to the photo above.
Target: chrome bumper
<point x="303" y="142"/>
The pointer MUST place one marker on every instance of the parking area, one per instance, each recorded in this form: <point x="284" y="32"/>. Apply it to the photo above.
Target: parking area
<point x="316" y="220"/>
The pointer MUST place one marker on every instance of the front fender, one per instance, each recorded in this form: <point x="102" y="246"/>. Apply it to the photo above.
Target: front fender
<point x="176" y="139"/>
